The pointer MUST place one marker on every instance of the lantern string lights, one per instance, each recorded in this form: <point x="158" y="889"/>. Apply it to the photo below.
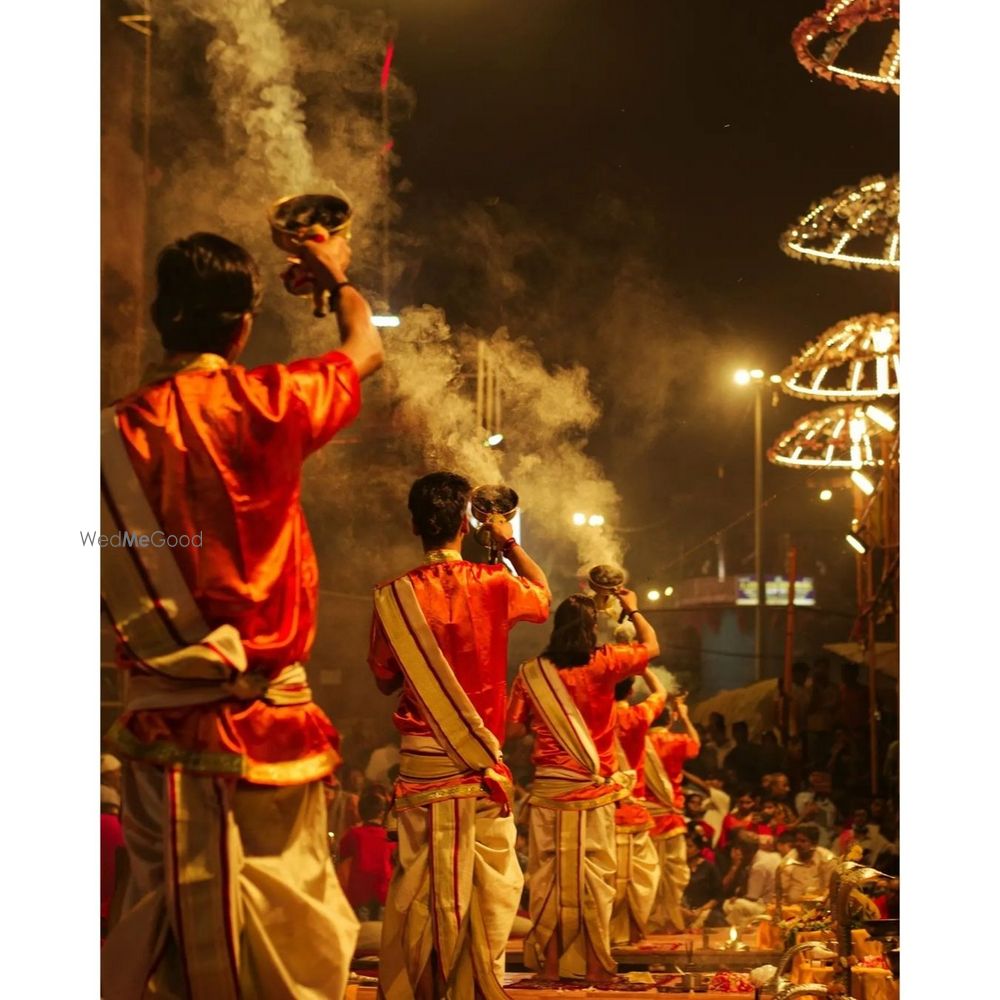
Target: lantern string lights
<point x="856" y="226"/>
<point x="856" y="359"/>
<point x="821" y="41"/>
<point x="836" y="438"/>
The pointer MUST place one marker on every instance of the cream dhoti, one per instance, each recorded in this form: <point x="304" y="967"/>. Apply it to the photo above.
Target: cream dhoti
<point x="571" y="881"/>
<point x="671" y="856"/>
<point x="231" y="894"/>
<point x="454" y="895"/>
<point x="636" y="884"/>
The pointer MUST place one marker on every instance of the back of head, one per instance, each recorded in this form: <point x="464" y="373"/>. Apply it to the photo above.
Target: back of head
<point x="747" y="841"/>
<point x="204" y="285"/>
<point x="810" y="831"/>
<point x="371" y="806"/>
<point x="800" y="672"/>
<point x="437" y="504"/>
<point x="573" y="636"/>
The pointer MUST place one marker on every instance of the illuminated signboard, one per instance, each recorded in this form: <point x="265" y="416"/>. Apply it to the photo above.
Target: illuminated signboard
<point x="776" y="590"/>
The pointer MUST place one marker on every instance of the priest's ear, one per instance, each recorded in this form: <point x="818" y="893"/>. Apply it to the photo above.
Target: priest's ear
<point x="240" y="336"/>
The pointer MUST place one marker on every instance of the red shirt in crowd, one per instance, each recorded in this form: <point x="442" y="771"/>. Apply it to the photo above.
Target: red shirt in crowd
<point x="370" y="852"/>
<point x="111" y="840"/>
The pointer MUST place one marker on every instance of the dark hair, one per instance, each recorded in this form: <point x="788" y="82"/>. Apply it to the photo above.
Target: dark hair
<point x="204" y="285"/>
<point x="437" y="504"/>
<point x="800" y="669"/>
<point x="786" y="837"/>
<point x="624" y="688"/>
<point x="740" y="727"/>
<point x="572" y="641"/>
<point x="696" y="837"/>
<point x="371" y="806"/>
<point x="810" y="830"/>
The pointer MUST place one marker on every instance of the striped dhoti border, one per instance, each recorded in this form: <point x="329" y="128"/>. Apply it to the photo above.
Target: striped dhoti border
<point x="638" y="879"/>
<point x="454" y="895"/>
<point x="231" y="893"/>
<point x="571" y="880"/>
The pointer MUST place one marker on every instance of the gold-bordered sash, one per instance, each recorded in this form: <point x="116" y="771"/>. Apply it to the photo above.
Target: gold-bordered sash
<point x="142" y="588"/>
<point x="560" y="714"/>
<point x="446" y="708"/>
<point x="657" y="782"/>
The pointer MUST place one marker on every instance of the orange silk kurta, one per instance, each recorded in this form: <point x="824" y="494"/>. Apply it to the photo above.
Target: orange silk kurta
<point x="592" y="688"/>
<point x="673" y="749"/>
<point x="470" y="608"/>
<point x="218" y="450"/>
<point x="632" y="722"/>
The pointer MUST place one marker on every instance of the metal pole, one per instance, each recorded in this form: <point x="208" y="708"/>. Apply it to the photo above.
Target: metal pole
<point x="789" y="639"/>
<point x="758" y="505"/>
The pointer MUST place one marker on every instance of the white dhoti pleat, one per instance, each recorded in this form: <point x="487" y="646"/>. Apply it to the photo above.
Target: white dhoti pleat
<point x="636" y="884"/>
<point x="454" y="895"/>
<point x="571" y="880"/>
<point x="231" y="894"/>
<point x="674" y="876"/>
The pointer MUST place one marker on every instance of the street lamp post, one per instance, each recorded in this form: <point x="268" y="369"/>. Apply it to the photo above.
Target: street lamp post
<point x="758" y="526"/>
<point x="756" y="378"/>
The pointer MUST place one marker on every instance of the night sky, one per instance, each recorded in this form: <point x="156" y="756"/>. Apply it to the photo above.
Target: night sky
<point x="670" y="144"/>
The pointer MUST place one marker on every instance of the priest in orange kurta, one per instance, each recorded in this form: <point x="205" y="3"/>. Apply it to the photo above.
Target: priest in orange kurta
<point x="439" y="638"/>
<point x="666" y="753"/>
<point x="638" y="875"/>
<point x="231" y="890"/>
<point x="566" y="699"/>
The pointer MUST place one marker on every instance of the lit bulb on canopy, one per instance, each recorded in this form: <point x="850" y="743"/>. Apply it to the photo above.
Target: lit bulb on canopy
<point x="579" y="519"/>
<point x="668" y="591"/>
<point x="839" y="437"/>
<point x="825" y="495"/>
<point x="742" y="377"/>
<point x="880" y="417"/>
<point x="836" y="44"/>
<point x="595" y="520"/>
<point x="857" y="226"/>
<point x="653" y="595"/>
<point x="493" y="440"/>
<point x="863" y="483"/>
<point x="853" y="360"/>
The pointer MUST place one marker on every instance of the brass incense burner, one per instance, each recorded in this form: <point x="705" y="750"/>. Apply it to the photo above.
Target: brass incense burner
<point x="302" y="217"/>
<point x="488" y="504"/>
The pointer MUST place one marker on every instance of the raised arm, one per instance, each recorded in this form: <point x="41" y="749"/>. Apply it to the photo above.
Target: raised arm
<point x="654" y="683"/>
<point x="359" y="340"/>
<point x="523" y="564"/>
<point x="682" y="711"/>
<point x="643" y="630"/>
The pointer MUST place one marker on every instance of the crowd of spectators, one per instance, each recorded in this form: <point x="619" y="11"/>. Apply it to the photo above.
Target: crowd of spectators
<point x="798" y="796"/>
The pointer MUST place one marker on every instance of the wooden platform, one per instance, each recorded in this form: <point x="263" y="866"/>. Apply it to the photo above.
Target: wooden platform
<point x="667" y="951"/>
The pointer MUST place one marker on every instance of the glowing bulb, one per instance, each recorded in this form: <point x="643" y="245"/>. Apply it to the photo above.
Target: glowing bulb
<point x="776" y="379"/>
<point x="385" y="321"/>
<point x="493" y="440"/>
<point x="856" y="544"/>
<point x="595" y="520"/>
<point x="756" y="374"/>
<point x="579" y="519"/>
<point x="880" y="417"/>
<point x="742" y="377"/>
<point x="653" y="595"/>
<point x="668" y="591"/>
<point x="826" y="495"/>
<point x="863" y="483"/>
